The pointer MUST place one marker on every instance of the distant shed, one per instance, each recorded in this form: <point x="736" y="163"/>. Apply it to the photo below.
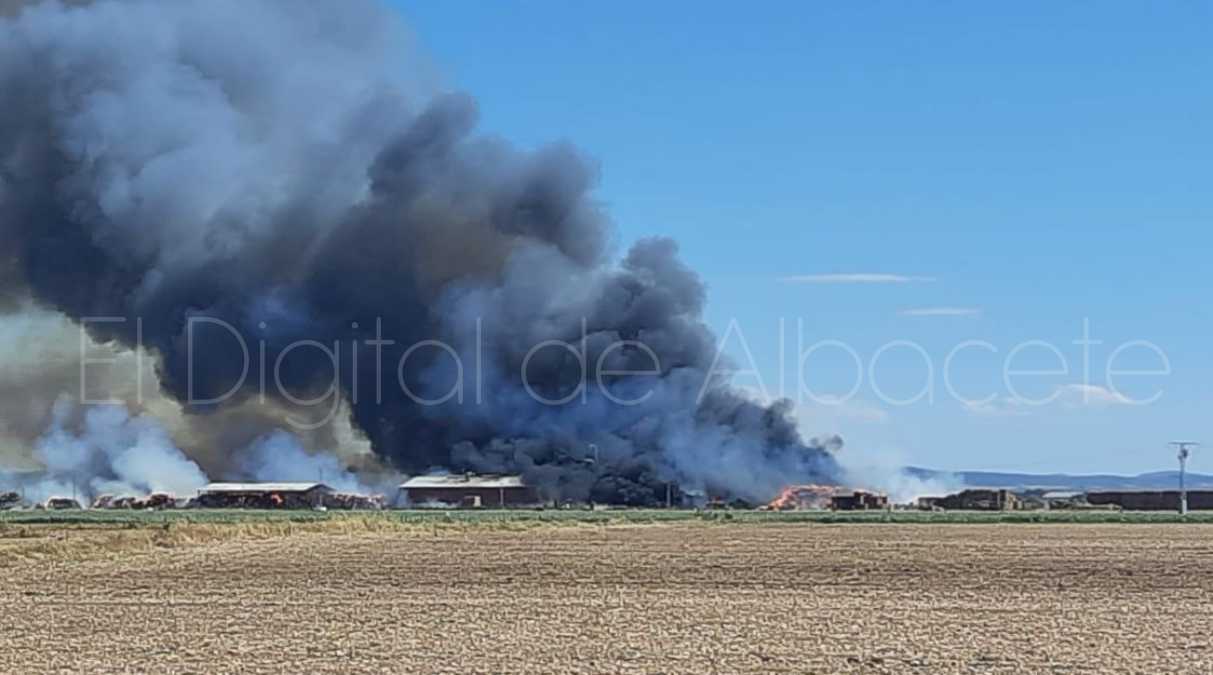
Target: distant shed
<point x="975" y="499"/>
<point x="859" y="500"/>
<point x="469" y="490"/>
<point x="263" y="495"/>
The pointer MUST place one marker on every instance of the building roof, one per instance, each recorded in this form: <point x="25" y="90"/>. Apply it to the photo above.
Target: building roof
<point x="858" y="494"/>
<point x="463" y="480"/>
<point x="264" y="487"/>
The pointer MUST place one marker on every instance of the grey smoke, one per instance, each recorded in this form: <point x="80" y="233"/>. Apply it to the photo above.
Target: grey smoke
<point x="287" y="168"/>
<point x="44" y="360"/>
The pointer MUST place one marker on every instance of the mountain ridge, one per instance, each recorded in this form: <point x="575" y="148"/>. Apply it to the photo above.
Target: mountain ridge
<point x="1154" y="480"/>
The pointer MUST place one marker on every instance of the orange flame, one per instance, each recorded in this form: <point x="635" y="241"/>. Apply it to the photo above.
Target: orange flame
<point x="802" y="497"/>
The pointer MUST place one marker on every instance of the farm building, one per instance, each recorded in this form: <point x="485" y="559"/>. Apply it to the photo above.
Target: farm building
<point x="1155" y="500"/>
<point x="858" y="500"/>
<point x="263" y="495"/>
<point x="469" y="490"/>
<point x="973" y="500"/>
<point x="695" y="499"/>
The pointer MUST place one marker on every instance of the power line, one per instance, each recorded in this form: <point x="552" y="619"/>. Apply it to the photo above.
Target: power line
<point x="1184" y="452"/>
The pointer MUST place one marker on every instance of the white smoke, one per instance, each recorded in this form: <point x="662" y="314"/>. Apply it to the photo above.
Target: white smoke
<point x="111" y="452"/>
<point x="279" y="456"/>
<point x="885" y="472"/>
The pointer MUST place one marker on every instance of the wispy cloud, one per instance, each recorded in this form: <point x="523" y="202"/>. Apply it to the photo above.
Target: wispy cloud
<point x="865" y="278"/>
<point x="853" y="410"/>
<point x="941" y="311"/>
<point x="1066" y="397"/>
<point x="1089" y="395"/>
<point x="999" y="407"/>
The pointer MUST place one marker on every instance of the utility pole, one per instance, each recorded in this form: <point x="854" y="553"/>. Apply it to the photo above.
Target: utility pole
<point x="1184" y="452"/>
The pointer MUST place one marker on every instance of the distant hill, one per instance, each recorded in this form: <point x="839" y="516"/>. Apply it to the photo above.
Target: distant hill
<point x="1158" y="480"/>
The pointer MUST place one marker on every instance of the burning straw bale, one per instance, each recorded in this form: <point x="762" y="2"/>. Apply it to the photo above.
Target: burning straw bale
<point x="822" y="497"/>
<point x="347" y="501"/>
<point x="156" y="500"/>
<point x="10" y="500"/>
<point x="104" y="502"/>
<point x="60" y="504"/>
<point x="800" y="497"/>
<point x="264" y="495"/>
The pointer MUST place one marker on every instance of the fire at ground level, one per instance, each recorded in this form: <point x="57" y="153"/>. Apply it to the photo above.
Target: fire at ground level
<point x="668" y="598"/>
<point x="473" y="491"/>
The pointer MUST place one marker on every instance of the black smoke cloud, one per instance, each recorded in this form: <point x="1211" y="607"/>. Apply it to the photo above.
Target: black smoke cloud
<point x="286" y="168"/>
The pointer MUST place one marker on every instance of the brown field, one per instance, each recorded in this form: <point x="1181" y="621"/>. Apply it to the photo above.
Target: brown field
<point x="688" y="597"/>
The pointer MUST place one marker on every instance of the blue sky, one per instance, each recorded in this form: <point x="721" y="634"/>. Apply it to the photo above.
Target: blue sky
<point x="1028" y="167"/>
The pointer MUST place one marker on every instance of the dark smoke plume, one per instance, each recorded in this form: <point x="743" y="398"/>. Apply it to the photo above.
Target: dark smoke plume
<point x="285" y="168"/>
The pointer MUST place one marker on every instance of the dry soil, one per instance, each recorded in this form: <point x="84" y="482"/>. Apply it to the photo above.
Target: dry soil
<point x="660" y="598"/>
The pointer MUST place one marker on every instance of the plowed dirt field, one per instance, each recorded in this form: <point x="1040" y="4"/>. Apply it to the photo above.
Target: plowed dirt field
<point x="658" y="598"/>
